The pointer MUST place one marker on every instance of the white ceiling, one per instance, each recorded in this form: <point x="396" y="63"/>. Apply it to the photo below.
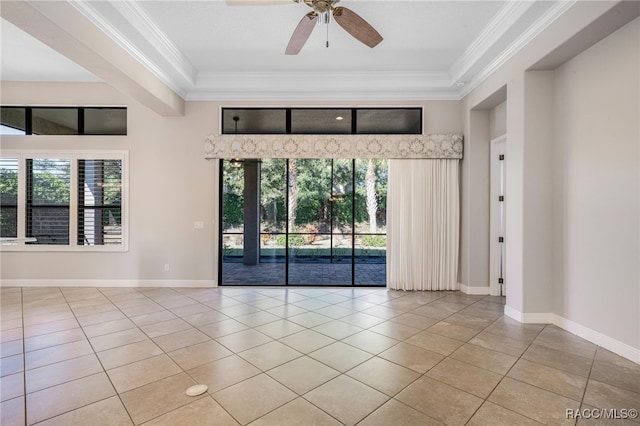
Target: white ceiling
<point x="209" y="50"/>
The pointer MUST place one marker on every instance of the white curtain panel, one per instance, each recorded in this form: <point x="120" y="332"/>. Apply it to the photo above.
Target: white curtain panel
<point x="423" y="225"/>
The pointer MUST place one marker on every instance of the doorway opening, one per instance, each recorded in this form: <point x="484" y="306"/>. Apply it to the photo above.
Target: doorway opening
<point x="303" y="222"/>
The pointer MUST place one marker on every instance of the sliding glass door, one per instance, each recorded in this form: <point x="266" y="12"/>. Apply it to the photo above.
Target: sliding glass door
<point x="320" y="238"/>
<point x="370" y="222"/>
<point x="303" y="222"/>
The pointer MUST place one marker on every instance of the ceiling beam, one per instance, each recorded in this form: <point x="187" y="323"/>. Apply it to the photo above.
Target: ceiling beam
<point x="62" y="27"/>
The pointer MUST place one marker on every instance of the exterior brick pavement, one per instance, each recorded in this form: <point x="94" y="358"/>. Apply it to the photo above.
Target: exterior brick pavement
<point x="306" y="273"/>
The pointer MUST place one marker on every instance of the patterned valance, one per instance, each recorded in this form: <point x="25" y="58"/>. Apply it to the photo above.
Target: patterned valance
<point x="334" y="146"/>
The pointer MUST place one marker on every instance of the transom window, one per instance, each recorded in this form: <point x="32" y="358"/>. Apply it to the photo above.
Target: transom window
<point x="48" y="120"/>
<point x="322" y="121"/>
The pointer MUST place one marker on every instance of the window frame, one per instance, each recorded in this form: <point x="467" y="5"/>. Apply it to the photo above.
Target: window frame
<point x="73" y="156"/>
<point x="80" y="124"/>
<point x="352" y="110"/>
<point x="32" y="206"/>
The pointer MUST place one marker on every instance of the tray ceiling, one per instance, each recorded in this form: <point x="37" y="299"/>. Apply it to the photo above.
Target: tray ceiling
<point x="210" y="50"/>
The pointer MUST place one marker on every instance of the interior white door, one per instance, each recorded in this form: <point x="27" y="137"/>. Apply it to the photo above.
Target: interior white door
<point x="497" y="286"/>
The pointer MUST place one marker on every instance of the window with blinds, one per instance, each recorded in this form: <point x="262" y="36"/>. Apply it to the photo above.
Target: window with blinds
<point x="47" y="202"/>
<point x="63" y="201"/>
<point x="99" y="202"/>
<point x="9" y="197"/>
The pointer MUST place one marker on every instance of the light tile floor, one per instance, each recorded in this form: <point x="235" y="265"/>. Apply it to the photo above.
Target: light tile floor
<point x="294" y="356"/>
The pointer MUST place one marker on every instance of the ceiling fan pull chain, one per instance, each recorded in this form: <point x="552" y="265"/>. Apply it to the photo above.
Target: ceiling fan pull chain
<point x="328" y="19"/>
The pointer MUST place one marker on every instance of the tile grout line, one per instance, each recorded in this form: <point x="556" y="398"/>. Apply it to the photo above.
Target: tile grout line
<point x="24" y="356"/>
<point x="163" y="353"/>
<point x="207" y="395"/>
<point x="266" y="372"/>
<point x="164" y="308"/>
<point x="505" y="375"/>
<point x="468" y="341"/>
<point x="445" y="357"/>
<point x="25" y="369"/>
<point x="586" y="385"/>
<point x="244" y="298"/>
<point x="449" y="357"/>
<point x="389" y="398"/>
<point x="104" y="370"/>
<point x="486" y="399"/>
<point x="305" y="355"/>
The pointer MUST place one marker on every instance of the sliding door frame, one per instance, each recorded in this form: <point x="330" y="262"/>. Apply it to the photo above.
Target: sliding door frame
<point x="287" y="233"/>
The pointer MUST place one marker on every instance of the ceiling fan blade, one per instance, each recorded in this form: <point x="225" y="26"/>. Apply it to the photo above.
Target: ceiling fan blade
<point x="301" y="33"/>
<point x="258" y="2"/>
<point x="356" y="26"/>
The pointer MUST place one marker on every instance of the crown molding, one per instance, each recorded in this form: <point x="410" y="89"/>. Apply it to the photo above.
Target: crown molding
<point x="141" y="21"/>
<point x="506" y="17"/>
<point x="97" y="19"/>
<point x="542" y="23"/>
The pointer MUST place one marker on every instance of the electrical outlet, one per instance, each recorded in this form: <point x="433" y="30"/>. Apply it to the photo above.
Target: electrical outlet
<point x="198" y="225"/>
<point x="167" y="267"/>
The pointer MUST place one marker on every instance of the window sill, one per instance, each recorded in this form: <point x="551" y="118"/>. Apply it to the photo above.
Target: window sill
<point x="21" y="247"/>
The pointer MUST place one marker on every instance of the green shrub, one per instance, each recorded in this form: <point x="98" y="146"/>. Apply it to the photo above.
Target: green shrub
<point x="294" y="240"/>
<point x="374" y="240"/>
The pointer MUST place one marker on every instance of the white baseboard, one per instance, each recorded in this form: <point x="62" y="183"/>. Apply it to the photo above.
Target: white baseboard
<point x="107" y="283"/>
<point x="599" y="339"/>
<point x="482" y="291"/>
<point x="609" y="343"/>
<point x="540" y="318"/>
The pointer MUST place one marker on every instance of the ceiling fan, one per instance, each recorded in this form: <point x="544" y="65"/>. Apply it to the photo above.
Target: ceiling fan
<point x="322" y="12"/>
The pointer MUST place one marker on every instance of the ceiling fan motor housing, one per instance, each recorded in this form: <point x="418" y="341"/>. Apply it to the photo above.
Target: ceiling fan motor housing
<point x="321" y="6"/>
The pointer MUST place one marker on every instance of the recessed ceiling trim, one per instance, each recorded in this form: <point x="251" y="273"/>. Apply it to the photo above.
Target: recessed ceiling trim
<point x="380" y="85"/>
<point x="336" y="79"/>
<point x="222" y="95"/>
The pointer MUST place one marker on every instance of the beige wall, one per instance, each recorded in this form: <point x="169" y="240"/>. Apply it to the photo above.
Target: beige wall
<point x="597" y="187"/>
<point x="537" y="176"/>
<point x="498" y="120"/>
<point x="572" y="171"/>
<point x="474" y="201"/>
<point x="486" y="96"/>
<point x="171" y="186"/>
